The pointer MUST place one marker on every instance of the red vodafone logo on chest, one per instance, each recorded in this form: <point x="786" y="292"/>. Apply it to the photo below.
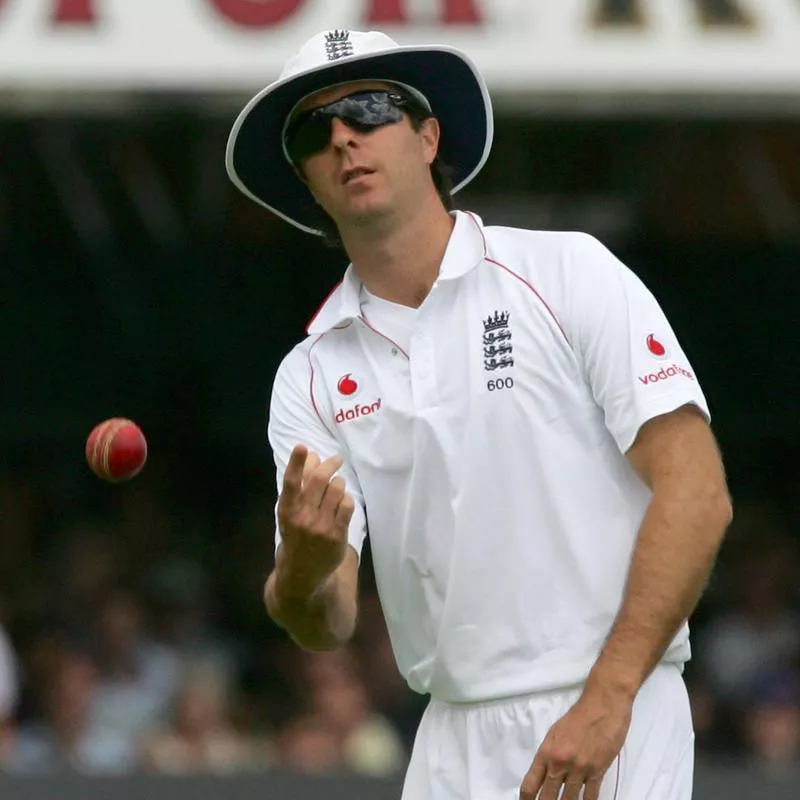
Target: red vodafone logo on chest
<point x="357" y="411"/>
<point x="349" y="387"/>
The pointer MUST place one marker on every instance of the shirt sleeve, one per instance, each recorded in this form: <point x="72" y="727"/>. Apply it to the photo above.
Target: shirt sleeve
<point x="293" y="420"/>
<point x="627" y="349"/>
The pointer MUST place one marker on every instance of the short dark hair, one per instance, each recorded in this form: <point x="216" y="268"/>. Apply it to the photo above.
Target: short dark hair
<point x="440" y="173"/>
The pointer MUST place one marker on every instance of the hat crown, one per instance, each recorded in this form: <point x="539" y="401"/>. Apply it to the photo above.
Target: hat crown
<point x="328" y="47"/>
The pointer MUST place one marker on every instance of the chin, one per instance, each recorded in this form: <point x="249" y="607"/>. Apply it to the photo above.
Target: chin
<point x="366" y="213"/>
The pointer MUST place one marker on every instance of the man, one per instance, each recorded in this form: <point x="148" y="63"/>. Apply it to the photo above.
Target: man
<point x="510" y="417"/>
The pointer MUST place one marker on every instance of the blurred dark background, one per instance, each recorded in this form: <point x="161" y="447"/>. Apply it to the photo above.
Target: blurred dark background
<point x="135" y="281"/>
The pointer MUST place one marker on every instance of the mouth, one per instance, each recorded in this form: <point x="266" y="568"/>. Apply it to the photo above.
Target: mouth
<point x="355" y="173"/>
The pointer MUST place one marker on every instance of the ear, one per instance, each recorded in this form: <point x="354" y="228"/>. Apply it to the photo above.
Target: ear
<point x="430" y="132"/>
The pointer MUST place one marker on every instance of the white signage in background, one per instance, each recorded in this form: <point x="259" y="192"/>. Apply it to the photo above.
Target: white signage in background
<point x="524" y="47"/>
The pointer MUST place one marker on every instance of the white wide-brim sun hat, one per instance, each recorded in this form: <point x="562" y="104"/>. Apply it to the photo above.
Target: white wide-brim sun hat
<point x="456" y="92"/>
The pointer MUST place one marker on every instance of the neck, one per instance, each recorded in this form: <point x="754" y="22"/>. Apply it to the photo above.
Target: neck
<point x="401" y="261"/>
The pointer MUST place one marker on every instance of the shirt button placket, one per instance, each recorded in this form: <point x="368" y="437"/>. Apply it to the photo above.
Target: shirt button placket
<point x="424" y="374"/>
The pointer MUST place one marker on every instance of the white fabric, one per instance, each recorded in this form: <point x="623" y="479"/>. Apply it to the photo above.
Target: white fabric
<point x="482" y="752"/>
<point x="502" y="510"/>
<point x="392" y="319"/>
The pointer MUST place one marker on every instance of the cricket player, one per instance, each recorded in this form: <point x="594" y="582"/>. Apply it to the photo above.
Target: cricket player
<point x="510" y="418"/>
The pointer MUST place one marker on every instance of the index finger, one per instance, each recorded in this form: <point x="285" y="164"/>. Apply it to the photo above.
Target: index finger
<point x="533" y="780"/>
<point x="293" y="476"/>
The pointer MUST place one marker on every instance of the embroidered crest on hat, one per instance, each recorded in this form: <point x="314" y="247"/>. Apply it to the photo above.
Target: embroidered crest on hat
<point x="338" y="44"/>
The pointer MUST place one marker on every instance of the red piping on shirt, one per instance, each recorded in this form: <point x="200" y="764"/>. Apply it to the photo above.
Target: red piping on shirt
<point x="519" y="278"/>
<point x="322" y="305"/>
<point x="388" y="339"/>
<point x="311" y="385"/>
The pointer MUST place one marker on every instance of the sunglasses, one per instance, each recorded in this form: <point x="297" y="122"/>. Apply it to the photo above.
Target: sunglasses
<point x="310" y="132"/>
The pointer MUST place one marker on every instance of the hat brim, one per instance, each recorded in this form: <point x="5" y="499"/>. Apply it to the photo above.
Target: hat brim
<point x="458" y="97"/>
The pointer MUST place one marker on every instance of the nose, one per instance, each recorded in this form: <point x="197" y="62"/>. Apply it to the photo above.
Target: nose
<point x="341" y="135"/>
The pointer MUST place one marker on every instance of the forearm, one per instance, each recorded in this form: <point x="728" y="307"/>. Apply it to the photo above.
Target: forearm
<point x="675" y="552"/>
<point x="317" y="615"/>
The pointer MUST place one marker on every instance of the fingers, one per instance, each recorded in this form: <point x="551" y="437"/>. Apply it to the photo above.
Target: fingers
<point x="334" y="494"/>
<point x="312" y="493"/>
<point x="558" y="783"/>
<point x="293" y="476"/>
<point x="532" y="781"/>
<point x="549" y="774"/>
<point x="316" y="481"/>
<point x="312" y="462"/>
<point x="336" y="508"/>
<point x="592" y="790"/>
<point x="572" y="788"/>
<point x="551" y="788"/>
<point x="344" y="512"/>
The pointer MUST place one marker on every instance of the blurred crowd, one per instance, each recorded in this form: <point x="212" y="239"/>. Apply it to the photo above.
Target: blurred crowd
<point x="744" y="678"/>
<point x="133" y="637"/>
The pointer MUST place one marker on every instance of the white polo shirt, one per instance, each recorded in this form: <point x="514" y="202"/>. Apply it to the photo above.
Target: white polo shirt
<point x="486" y="457"/>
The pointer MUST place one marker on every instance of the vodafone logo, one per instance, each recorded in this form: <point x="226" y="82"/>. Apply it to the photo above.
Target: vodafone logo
<point x="357" y="411"/>
<point x="348" y="386"/>
<point x="665" y="373"/>
<point x="656" y="347"/>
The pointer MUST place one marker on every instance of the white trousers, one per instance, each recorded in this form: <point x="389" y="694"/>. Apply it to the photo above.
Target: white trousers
<point x="482" y="751"/>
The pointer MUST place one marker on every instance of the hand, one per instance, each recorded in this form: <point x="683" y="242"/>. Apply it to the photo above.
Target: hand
<point x="314" y="513"/>
<point x="580" y="747"/>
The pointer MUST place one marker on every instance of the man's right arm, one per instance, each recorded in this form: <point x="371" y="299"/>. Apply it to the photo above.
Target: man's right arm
<point x="317" y="618"/>
<point x="312" y="592"/>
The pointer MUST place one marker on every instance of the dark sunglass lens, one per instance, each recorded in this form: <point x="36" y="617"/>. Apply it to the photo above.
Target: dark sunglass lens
<point x="308" y="136"/>
<point x="363" y="112"/>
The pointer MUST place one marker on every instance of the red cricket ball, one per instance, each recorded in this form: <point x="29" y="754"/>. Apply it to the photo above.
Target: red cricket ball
<point x="116" y="449"/>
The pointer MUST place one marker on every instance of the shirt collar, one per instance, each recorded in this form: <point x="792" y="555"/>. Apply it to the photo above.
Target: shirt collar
<point x="465" y="250"/>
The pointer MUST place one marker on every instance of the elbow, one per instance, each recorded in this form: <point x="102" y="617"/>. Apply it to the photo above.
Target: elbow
<point x="724" y="507"/>
<point x="727" y="510"/>
<point x="720" y="513"/>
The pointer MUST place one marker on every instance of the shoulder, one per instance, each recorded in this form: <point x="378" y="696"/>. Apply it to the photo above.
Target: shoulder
<point x="294" y="369"/>
<point x="532" y="243"/>
<point x="548" y="256"/>
<point x="298" y="363"/>
<point x="556" y="264"/>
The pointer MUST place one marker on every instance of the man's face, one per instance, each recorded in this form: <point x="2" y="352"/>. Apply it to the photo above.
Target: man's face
<point x="363" y="176"/>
